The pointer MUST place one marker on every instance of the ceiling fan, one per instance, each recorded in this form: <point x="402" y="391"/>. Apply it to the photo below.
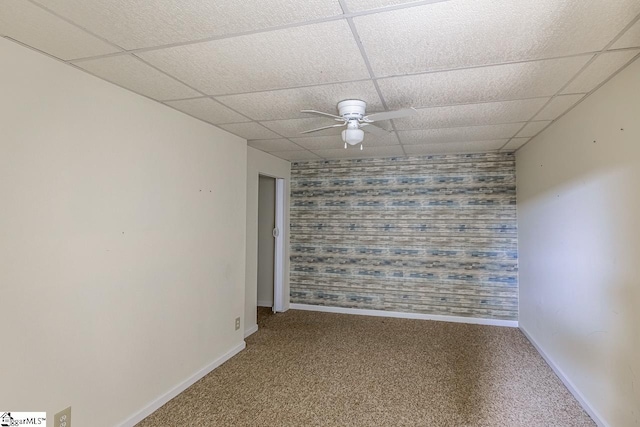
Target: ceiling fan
<point x="352" y="115"/>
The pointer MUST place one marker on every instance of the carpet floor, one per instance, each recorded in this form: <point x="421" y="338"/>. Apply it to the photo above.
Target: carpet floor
<point x="322" y="369"/>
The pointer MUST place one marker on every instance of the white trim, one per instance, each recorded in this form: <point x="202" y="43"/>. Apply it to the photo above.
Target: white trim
<point x="567" y="382"/>
<point x="155" y="404"/>
<point x="278" y="259"/>
<point x="265" y="303"/>
<point x="382" y="313"/>
<point x="252" y="330"/>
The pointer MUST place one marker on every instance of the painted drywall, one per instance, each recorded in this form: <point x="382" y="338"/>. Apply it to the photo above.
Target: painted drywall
<point x="261" y="163"/>
<point x="122" y="242"/>
<point x="432" y="235"/>
<point x="266" y="241"/>
<point x="579" y="239"/>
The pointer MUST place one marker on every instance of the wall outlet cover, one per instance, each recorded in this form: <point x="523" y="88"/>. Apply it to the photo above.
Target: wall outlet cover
<point x="237" y="323"/>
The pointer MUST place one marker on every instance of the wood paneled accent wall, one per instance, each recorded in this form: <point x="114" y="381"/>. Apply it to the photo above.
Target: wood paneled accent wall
<point x="432" y="234"/>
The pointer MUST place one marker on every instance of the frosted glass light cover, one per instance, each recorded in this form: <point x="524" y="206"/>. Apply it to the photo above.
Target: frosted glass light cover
<point x="352" y="136"/>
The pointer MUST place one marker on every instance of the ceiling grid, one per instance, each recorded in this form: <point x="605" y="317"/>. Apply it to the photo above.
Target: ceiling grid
<point x="484" y="75"/>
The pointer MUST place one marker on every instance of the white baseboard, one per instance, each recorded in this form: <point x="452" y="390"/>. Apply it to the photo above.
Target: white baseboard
<point x="251" y="330"/>
<point x="265" y="303"/>
<point x="382" y="313"/>
<point x="567" y="382"/>
<point x="152" y="406"/>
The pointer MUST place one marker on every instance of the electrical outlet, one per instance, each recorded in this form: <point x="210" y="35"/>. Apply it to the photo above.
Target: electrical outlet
<point x="63" y="418"/>
<point x="237" y="323"/>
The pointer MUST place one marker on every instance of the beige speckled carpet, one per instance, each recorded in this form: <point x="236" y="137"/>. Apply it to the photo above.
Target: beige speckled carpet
<point x="321" y="369"/>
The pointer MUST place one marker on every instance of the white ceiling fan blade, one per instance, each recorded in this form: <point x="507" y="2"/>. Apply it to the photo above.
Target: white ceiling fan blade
<point x="388" y="115"/>
<point x="324" y="127"/>
<point x="320" y="113"/>
<point x="373" y="129"/>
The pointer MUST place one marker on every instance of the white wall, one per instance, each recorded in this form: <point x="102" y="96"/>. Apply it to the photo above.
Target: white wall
<point x="579" y="239"/>
<point x="259" y="162"/>
<point x="122" y="242"/>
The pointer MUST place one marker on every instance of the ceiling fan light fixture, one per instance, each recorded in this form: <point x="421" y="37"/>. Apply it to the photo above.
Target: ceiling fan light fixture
<point x="352" y="114"/>
<point x="352" y="136"/>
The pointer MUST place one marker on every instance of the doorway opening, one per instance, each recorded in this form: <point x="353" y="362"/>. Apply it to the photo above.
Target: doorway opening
<point x="270" y="242"/>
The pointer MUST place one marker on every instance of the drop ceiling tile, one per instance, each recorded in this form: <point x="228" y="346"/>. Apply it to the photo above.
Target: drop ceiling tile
<point x="137" y="24"/>
<point x="296" y="155"/>
<point x="292" y="57"/>
<point x="631" y="38"/>
<point x="472" y="114"/>
<point x="356" y="153"/>
<point x="274" y="145"/>
<point x="335" y="141"/>
<point x="483" y="84"/>
<point x="532" y="129"/>
<point x="287" y="103"/>
<point x="515" y="143"/>
<point x="472" y="133"/>
<point x="465" y="33"/>
<point x="35" y="27"/>
<point x="455" y="147"/>
<point x="128" y="71"/>
<point x="208" y="110"/>
<point x="293" y="128"/>
<point x="250" y="131"/>
<point x="362" y="5"/>
<point x="320" y="142"/>
<point x="599" y="70"/>
<point x="557" y="106"/>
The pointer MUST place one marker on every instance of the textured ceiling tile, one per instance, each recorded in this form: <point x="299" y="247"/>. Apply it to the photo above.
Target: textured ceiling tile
<point x="208" y="110"/>
<point x="287" y="103"/>
<point x="296" y="155"/>
<point x="599" y="70"/>
<point x="308" y="55"/>
<point x="455" y="147"/>
<point x="137" y="24"/>
<point x="274" y="145"/>
<point x="484" y="84"/>
<point x="320" y="142"/>
<point x="35" y="27"/>
<point x="472" y="114"/>
<point x="532" y="129"/>
<point x="473" y="133"/>
<point x="557" y="106"/>
<point x="292" y="128"/>
<point x="515" y="143"/>
<point x="361" y="5"/>
<point x="335" y="141"/>
<point x="474" y="32"/>
<point x="250" y="131"/>
<point x="130" y="72"/>
<point x="356" y="153"/>
<point x="631" y="38"/>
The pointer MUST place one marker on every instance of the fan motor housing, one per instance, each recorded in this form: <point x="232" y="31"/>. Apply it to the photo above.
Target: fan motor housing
<point x="351" y="109"/>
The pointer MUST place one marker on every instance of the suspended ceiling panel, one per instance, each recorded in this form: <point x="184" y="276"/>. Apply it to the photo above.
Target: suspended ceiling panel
<point x="472" y="114"/>
<point x="287" y="103"/>
<point x="47" y="32"/>
<point x="148" y="23"/>
<point x="466" y="33"/>
<point x="131" y="73"/>
<point x="557" y="106"/>
<point x="485" y="75"/>
<point x="208" y="110"/>
<point x="298" y="56"/>
<point x="631" y="38"/>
